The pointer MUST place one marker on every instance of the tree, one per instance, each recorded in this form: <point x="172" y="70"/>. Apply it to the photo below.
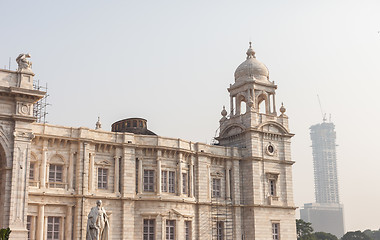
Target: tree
<point x="324" y="236"/>
<point x="4" y="233"/>
<point x="375" y="235"/>
<point x="304" y="230"/>
<point x="358" y="235"/>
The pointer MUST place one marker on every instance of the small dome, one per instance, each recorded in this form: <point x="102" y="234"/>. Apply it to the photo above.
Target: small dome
<point x="251" y="69"/>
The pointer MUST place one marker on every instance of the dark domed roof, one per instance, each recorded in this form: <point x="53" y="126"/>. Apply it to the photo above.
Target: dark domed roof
<point x="132" y="125"/>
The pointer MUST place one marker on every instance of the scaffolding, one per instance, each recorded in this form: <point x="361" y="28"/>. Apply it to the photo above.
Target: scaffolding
<point x="221" y="213"/>
<point x="40" y="107"/>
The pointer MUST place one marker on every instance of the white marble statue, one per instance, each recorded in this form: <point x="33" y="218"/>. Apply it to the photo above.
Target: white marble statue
<point x="23" y="62"/>
<point x="97" y="223"/>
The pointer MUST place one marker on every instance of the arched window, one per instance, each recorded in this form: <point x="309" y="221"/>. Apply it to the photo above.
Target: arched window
<point x="243" y="107"/>
<point x="262" y="103"/>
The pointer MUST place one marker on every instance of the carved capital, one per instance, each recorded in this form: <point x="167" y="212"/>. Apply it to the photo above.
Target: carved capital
<point x="23" y="136"/>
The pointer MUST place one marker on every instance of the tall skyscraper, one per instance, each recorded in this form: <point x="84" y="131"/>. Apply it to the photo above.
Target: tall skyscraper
<point x="326" y="215"/>
<point x="324" y="156"/>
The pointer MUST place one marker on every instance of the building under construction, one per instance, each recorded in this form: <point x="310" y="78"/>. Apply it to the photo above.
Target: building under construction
<point x="326" y="214"/>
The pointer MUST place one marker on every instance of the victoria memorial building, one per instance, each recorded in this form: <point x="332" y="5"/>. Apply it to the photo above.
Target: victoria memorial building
<point x="152" y="187"/>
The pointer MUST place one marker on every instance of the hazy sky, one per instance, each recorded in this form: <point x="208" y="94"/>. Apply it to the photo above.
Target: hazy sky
<point x="172" y="61"/>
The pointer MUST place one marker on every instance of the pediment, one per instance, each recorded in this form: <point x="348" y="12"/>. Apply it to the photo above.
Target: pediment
<point x="104" y="163"/>
<point x="232" y="130"/>
<point x="273" y="127"/>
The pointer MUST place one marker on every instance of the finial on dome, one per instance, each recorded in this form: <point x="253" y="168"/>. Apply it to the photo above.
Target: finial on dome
<point x="250" y="52"/>
<point x="98" y="124"/>
<point x="282" y="109"/>
<point x="224" y="112"/>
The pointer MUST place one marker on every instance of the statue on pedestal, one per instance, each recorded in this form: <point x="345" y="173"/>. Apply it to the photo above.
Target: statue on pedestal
<point x="23" y="62"/>
<point x="97" y="223"/>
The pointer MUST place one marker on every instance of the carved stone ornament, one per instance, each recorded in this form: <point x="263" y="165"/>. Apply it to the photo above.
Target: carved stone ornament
<point x="23" y="135"/>
<point x="24" y="109"/>
<point x="23" y="63"/>
<point x="270" y="149"/>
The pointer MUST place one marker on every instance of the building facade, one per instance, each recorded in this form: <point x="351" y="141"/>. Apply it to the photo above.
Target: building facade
<point x="326" y="215"/>
<point x="152" y="187"/>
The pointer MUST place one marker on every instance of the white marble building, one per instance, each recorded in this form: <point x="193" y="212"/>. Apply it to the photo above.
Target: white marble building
<point x="152" y="187"/>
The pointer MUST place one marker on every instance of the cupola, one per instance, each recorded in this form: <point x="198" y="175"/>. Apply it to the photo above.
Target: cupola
<point x="251" y="69"/>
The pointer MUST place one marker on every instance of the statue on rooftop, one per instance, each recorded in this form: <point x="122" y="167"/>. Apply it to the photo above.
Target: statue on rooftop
<point x="23" y="62"/>
<point x="97" y="223"/>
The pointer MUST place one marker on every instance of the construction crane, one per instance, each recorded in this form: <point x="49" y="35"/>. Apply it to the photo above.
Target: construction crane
<point x="320" y="106"/>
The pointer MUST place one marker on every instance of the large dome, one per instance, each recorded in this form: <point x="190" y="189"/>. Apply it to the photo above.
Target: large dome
<point x="251" y="69"/>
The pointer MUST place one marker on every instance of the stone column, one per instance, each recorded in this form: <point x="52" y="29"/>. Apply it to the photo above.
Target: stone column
<point x="83" y="180"/>
<point x="70" y="170"/>
<point x="69" y="222"/>
<point x="209" y="184"/>
<point x="238" y="106"/>
<point x="40" y="222"/>
<point x="91" y="174"/>
<point x="158" y="175"/>
<point x="274" y="104"/>
<point x="43" y="166"/>
<point x="228" y="186"/>
<point x="140" y="177"/>
<point x="191" y="179"/>
<point x="179" y="178"/>
<point x="62" y="228"/>
<point x="117" y="177"/>
<point x="231" y="105"/>
<point x="33" y="227"/>
<point x="45" y="227"/>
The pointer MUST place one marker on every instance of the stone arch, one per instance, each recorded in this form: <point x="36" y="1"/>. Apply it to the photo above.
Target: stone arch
<point x="241" y="98"/>
<point x="235" y="128"/>
<point x="275" y="124"/>
<point x="58" y="159"/>
<point x="263" y="96"/>
<point x="5" y="183"/>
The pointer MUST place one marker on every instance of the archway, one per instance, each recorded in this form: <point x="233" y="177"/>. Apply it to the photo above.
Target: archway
<point x="262" y="103"/>
<point x="3" y="182"/>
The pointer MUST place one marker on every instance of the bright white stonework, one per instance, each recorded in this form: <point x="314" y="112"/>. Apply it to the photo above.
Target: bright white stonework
<point x="150" y="185"/>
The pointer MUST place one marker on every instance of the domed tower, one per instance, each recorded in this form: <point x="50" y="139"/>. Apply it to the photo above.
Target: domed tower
<point x="252" y="102"/>
<point x="263" y="139"/>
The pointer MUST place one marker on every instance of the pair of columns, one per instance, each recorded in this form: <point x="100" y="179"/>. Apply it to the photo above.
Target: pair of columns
<point x="39" y="224"/>
<point x="190" y="185"/>
<point x="92" y="174"/>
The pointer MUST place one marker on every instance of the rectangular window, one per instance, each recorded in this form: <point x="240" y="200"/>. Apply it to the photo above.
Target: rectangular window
<point x="55" y="173"/>
<point x="170" y="229"/>
<point x="220" y="230"/>
<point x="149" y="225"/>
<point x="164" y="181"/>
<point x="53" y="228"/>
<point x="187" y="230"/>
<point x="28" y="224"/>
<point x="216" y="185"/>
<point x="276" y="231"/>
<point x="149" y="180"/>
<point x="184" y="183"/>
<point x="31" y="171"/>
<point x="102" y="178"/>
<point x="171" y="182"/>
<point x="272" y="184"/>
<point x="55" y="176"/>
